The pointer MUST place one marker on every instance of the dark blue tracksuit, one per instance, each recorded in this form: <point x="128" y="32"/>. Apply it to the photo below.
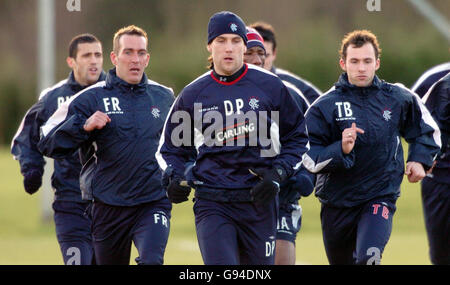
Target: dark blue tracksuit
<point x="431" y="76"/>
<point x="122" y="175"/>
<point x="358" y="190"/>
<point x="436" y="186"/>
<point x="72" y="222"/>
<point x="231" y="125"/>
<point x="310" y="91"/>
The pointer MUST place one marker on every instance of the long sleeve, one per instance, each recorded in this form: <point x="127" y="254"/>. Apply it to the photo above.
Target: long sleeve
<point x="63" y="133"/>
<point x="292" y="132"/>
<point x="437" y="100"/>
<point x="324" y="154"/>
<point x="24" y="144"/>
<point x="176" y="147"/>
<point x="421" y="132"/>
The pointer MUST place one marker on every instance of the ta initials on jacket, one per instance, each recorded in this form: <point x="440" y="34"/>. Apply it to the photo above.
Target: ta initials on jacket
<point x="112" y="106"/>
<point x="344" y="110"/>
<point x="284" y="225"/>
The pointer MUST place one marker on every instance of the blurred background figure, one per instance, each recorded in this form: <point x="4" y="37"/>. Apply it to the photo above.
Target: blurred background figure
<point x="256" y="53"/>
<point x="436" y="185"/>
<point x="301" y="184"/>
<point x="268" y="33"/>
<point x="431" y="76"/>
<point x="71" y="214"/>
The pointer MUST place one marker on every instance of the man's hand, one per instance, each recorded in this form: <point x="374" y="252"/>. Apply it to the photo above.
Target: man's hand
<point x="268" y="187"/>
<point x="349" y="136"/>
<point x="178" y="191"/>
<point x="301" y="182"/>
<point x="97" y="121"/>
<point x="414" y="171"/>
<point x="32" y="181"/>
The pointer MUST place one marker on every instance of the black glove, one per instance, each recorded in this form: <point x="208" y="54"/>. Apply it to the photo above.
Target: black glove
<point x="301" y="182"/>
<point x="268" y="187"/>
<point x="32" y="181"/>
<point x="178" y="190"/>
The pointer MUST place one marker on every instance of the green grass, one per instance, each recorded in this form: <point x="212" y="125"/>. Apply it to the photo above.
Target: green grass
<point x="26" y="239"/>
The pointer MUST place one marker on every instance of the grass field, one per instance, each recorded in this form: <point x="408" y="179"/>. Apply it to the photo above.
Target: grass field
<point x="25" y="239"/>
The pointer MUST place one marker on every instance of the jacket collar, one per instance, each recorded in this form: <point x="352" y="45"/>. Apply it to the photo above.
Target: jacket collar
<point x="75" y="86"/>
<point x="231" y="79"/>
<point x="345" y="84"/>
<point x="112" y="81"/>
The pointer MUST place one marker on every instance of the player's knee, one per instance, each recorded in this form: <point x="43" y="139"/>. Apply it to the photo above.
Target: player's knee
<point x="371" y="256"/>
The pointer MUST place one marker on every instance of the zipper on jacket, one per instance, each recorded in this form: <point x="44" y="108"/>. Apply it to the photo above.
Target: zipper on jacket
<point x="134" y="100"/>
<point x="363" y="99"/>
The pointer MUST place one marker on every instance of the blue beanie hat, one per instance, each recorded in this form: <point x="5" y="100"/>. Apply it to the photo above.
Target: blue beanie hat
<point x="226" y="22"/>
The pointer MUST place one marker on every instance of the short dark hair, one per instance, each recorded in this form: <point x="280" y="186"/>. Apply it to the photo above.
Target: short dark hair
<point x="129" y="30"/>
<point x="358" y="38"/>
<point x="267" y="32"/>
<point x="80" y="39"/>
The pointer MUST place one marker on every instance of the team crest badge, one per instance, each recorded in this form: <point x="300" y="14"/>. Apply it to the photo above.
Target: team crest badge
<point x="156" y="112"/>
<point x="253" y="103"/>
<point x="387" y="114"/>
